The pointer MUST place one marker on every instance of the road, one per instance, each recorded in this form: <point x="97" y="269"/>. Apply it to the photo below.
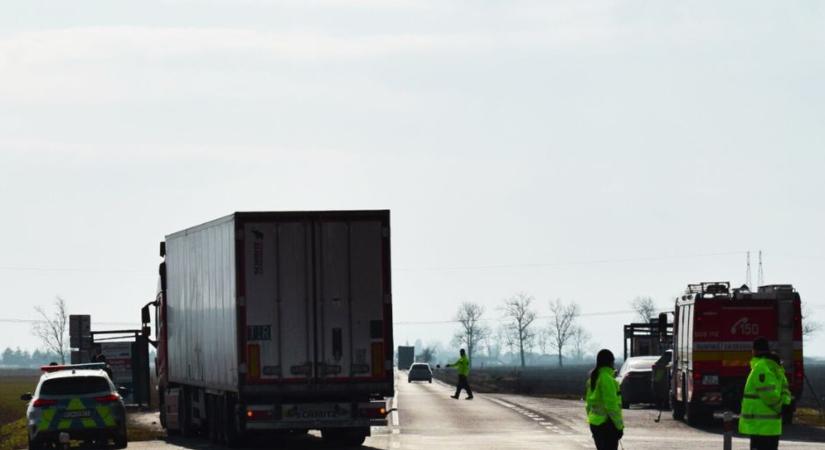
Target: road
<point x="428" y="418"/>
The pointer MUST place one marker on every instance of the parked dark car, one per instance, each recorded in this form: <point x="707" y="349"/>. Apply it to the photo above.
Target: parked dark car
<point x="635" y="378"/>
<point x="420" y="372"/>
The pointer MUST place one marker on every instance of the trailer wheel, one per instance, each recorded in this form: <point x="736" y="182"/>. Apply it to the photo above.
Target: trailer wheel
<point x="230" y="421"/>
<point x="185" y="412"/>
<point x="212" y="418"/>
<point x="162" y="408"/>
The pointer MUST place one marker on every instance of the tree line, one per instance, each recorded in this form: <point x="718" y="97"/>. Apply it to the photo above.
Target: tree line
<point x="522" y="332"/>
<point x="22" y="358"/>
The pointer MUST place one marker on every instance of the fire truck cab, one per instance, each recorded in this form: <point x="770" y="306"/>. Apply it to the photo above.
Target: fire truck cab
<point x="714" y="329"/>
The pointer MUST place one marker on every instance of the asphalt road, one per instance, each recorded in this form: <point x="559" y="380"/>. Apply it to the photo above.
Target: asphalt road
<point x="428" y="418"/>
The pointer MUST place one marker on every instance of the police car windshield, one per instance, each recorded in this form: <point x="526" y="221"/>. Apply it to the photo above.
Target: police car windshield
<point x="74" y="386"/>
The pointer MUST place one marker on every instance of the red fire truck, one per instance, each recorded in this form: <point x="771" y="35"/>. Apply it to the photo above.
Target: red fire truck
<point x="714" y="329"/>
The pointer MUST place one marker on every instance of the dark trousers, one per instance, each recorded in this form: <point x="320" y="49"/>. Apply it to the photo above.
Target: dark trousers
<point x="463" y="384"/>
<point x="764" y="442"/>
<point x="606" y="436"/>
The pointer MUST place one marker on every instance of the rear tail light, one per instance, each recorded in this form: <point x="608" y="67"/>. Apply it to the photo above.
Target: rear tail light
<point x="378" y="412"/>
<point x="42" y="403"/>
<point x="258" y="414"/>
<point x="107" y="398"/>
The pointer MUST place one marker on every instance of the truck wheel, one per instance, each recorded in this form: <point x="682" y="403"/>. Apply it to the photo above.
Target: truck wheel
<point x="229" y="420"/>
<point x="694" y="415"/>
<point x="162" y="409"/>
<point x="677" y="409"/>
<point x="184" y="413"/>
<point x="211" y="418"/>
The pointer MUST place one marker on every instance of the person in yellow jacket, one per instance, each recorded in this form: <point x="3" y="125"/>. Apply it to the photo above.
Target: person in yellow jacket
<point x="462" y="366"/>
<point x="603" y="403"/>
<point x="761" y="415"/>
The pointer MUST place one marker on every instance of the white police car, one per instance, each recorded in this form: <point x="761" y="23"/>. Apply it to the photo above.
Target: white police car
<point x="75" y="402"/>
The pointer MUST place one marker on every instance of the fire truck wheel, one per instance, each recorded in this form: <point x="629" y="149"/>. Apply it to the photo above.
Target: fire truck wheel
<point x="677" y="409"/>
<point x="694" y="414"/>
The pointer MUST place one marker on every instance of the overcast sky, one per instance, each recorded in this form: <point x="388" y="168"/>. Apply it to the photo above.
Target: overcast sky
<point x="588" y="151"/>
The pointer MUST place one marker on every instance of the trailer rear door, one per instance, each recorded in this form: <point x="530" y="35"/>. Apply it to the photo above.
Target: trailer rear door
<point x="316" y="296"/>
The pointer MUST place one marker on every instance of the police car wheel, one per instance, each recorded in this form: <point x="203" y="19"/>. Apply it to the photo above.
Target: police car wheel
<point x="35" y="445"/>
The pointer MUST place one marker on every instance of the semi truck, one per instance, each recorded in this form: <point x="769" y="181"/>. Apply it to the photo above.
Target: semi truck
<point x="714" y="330"/>
<point x="276" y="322"/>
<point x="406" y="356"/>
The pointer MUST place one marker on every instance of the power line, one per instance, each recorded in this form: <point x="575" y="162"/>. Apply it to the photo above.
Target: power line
<point x="14" y="320"/>
<point x="501" y="320"/>
<point x="73" y="270"/>
<point x="570" y="263"/>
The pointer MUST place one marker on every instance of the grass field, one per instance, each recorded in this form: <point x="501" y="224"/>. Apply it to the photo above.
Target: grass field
<point x="13" y="383"/>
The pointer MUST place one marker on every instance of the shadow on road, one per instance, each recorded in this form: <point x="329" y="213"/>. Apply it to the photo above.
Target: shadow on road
<point x="259" y="442"/>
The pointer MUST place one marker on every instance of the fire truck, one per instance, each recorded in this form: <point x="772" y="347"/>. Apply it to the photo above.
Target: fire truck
<point x="714" y="329"/>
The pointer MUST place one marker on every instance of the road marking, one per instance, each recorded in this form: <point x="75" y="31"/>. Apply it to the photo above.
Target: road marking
<point x="394" y="409"/>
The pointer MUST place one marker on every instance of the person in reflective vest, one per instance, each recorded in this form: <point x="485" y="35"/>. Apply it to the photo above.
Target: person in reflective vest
<point x="761" y="416"/>
<point x="603" y="403"/>
<point x="462" y="366"/>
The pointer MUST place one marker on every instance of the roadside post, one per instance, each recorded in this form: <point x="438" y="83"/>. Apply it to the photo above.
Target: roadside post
<point x="728" y="421"/>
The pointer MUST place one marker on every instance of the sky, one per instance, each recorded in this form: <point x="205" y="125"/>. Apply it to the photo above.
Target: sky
<point x="587" y="151"/>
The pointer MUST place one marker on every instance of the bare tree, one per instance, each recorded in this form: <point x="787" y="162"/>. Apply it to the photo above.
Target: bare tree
<point x="52" y="329"/>
<point x="518" y="309"/>
<point x="644" y="307"/>
<point x="543" y="340"/>
<point x="581" y="342"/>
<point x="472" y="331"/>
<point x="562" y="325"/>
<point x="494" y="342"/>
<point x="809" y="327"/>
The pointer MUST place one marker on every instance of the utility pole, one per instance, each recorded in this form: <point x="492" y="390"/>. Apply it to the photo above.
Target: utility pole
<point x="748" y="271"/>
<point x="761" y="272"/>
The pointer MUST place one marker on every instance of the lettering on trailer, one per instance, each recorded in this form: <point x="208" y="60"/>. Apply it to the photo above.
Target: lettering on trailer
<point x="744" y="328"/>
<point x="337" y="411"/>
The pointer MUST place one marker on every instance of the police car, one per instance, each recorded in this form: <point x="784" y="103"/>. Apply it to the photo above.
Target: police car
<point x="75" y="402"/>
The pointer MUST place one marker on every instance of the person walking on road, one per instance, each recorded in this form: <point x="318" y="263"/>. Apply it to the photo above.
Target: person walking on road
<point x="764" y="397"/>
<point x="603" y="403"/>
<point x="462" y="366"/>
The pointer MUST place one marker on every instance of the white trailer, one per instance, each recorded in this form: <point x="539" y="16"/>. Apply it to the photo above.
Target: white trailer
<point x="277" y="321"/>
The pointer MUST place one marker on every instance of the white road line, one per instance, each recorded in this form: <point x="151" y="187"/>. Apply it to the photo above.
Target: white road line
<point x="394" y="408"/>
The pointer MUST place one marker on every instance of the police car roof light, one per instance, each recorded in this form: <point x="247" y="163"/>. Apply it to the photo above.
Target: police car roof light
<point x="89" y="366"/>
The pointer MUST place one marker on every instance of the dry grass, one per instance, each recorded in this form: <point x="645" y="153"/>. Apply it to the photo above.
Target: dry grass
<point x="13" y="383"/>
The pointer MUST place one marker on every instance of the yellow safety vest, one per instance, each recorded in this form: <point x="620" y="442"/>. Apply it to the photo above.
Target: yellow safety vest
<point x="462" y="366"/>
<point x="762" y="400"/>
<point x="605" y="400"/>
